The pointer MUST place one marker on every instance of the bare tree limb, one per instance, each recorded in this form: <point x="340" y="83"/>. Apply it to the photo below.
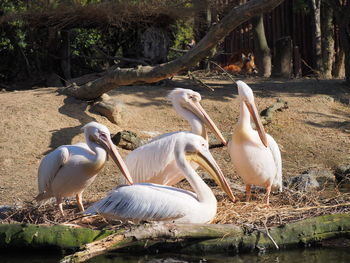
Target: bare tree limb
<point x="197" y="238"/>
<point x="197" y="80"/>
<point x="148" y="74"/>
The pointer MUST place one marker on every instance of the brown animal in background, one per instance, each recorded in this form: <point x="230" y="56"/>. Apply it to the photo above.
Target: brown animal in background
<point x="242" y="64"/>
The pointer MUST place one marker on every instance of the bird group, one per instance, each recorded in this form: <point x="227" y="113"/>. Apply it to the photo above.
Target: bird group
<point x="150" y="171"/>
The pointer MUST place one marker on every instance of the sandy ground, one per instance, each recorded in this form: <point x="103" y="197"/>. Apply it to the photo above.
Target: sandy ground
<point x="313" y="133"/>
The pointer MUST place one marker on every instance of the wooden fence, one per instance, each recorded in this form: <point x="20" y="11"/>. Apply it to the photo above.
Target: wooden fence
<point x="285" y="20"/>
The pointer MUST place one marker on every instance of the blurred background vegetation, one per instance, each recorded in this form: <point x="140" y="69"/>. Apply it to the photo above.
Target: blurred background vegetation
<point x="46" y="42"/>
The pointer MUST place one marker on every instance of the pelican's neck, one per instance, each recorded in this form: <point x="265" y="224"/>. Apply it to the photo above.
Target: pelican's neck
<point x="244" y="117"/>
<point x="197" y="125"/>
<point x="204" y="193"/>
<point x="97" y="161"/>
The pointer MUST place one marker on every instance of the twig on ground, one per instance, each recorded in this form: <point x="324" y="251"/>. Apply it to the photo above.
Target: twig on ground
<point x="201" y="83"/>
<point x="225" y="71"/>
<point x="268" y="234"/>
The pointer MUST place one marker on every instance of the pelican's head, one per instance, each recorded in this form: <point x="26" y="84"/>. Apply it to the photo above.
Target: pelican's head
<point x="100" y="134"/>
<point x="247" y="97"/>
<point x="197" y="150"/>
<point x="185" y="100"/>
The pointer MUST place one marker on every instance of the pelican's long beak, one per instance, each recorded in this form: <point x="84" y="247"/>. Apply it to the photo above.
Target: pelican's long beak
<point x="259" y="126"/>
<point x="113" y="152"/>
<point x="207" y="162"/>
<point x="197" y="109"/>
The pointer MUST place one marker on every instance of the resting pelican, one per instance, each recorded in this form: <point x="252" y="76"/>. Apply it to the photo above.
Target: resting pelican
<point x="186" y="103"/>
<point x="255" y="154"/>
<point x="154" y="202"/>
<point x="69" y="169"/>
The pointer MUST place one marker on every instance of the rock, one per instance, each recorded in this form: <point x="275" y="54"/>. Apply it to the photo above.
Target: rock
<point x="113" y="109"/>
<point x="127" y="140"/>
<point x="312" y="179"/>
<point x="303" y="182"/>
<point x="342" y="174"/>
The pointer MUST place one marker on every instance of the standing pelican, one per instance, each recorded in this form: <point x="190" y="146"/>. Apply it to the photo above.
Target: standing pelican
<point x="154" y="202"/>
<point x="254" y="154"/>
<point x="186" y="103"/>
<point x="69" y="169"/>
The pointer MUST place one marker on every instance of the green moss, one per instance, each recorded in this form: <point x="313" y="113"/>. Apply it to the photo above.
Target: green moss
<point x="35" y="236"/>
<point x="203" y="239"/>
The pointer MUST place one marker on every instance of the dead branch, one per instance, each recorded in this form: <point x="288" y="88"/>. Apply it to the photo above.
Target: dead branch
<point x="198" y="81"/>
<point x="188" y="238"/>
<point x="268" y="234"/>
<point x="148" y="74"/>
<point x="267" y="114"/>
<point x="224" y="71"/>
<point x="179" y="50"/>
<point x="138" y="61"/>
<point x="311" y="68"/>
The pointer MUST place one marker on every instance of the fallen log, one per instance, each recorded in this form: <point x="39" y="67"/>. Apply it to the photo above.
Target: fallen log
<point x="267" y="114"/>
<point x="214" y="239"/>
<point x="60" y="237"/>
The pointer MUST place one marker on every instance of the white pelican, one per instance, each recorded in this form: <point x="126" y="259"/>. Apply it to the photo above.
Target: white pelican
<point x="154" y="202"/>
<point x="186" y="103"/>
<point x="254" y="154"/>
<point x="69" y="169"/>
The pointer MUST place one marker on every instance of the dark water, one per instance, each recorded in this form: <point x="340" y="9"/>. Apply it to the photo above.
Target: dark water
<point x="310" y="255"/>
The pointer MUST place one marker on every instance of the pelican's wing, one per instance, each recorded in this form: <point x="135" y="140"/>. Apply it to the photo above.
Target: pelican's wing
<point x="151" y="159"/>
<point x="163" y="136"/>
<point x="49" y="167"/>
<point x="144" y="202"/>
<point x="273" y="146"/>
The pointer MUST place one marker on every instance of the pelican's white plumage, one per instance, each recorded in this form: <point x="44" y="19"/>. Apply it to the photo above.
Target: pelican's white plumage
<point x="155" y="202"/>
<point x="69" y="169"/>
<point x="254" y="154"/>
<point x="141" y="163"/>
<point x="155" y="162"/>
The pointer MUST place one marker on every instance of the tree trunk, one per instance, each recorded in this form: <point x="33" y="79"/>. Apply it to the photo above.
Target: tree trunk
<point x="155" y="43"/>
<point x="213" y="50"/>
<point x="327" y="41"/>
<point x="216" y="239"/>
<point x="315" y="7"/>
<point x="202" y="25"/>
<point x="60" y="237"/>
<point x="148" y="74"/>
<point x="345" y="41"/>
<point x="342" y="16"/>
<point x="262" y="51"/>
<point x="65" y="55"/>
<point x="182" y="238"/>
<point x="338" y="66"/>
<point x="296" y="62"/>
<point x="283" y="58"/>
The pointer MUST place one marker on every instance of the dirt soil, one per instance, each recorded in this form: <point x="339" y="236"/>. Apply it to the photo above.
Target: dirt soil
<point x="314" y="132"/>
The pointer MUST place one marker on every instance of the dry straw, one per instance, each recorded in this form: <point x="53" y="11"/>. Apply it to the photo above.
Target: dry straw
<point x="286" y="207"/>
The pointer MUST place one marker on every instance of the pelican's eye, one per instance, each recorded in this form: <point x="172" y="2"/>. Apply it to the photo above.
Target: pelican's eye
<point x="103" y="136"/>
